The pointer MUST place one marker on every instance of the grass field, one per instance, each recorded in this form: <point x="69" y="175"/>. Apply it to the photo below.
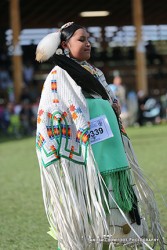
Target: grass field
<point x="23" y="223"/>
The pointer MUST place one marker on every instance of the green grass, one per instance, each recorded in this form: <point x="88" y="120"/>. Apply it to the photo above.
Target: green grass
<point x="23" y="224"/>
<point x="150" y="144"/>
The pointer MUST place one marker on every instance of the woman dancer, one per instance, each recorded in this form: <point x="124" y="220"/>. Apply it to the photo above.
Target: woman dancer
<point x="94" y="193"/>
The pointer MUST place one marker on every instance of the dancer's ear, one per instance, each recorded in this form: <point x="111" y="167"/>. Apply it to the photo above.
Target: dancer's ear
<point x="64" y="45"/>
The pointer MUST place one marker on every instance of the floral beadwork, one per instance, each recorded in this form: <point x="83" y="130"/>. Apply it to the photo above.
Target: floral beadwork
<point x="40" y="113"/>
<point x="75" y="111"/>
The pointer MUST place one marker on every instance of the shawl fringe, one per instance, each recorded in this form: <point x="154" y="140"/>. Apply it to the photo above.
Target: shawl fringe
<point x="74" y="194"/>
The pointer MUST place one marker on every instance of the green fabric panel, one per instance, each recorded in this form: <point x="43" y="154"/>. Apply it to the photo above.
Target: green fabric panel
<point x="109" y="154"/>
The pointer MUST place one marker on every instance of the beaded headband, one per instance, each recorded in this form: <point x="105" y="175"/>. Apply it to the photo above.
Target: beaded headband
<point x="66" y="25"/>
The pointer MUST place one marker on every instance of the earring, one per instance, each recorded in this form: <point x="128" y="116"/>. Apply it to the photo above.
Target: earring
<point x="59" y="52"/>
<point x="66" y="52"/>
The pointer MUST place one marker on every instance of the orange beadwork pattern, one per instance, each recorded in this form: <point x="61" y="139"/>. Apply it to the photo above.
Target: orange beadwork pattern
<point x="54" y="72"/>
<point x="71" y="153"/>
<point x="49" y="115"/>
<point x="85" y="138"/>
<point x="55" y="101"/>
<point x="49" y="132"/>
<point x="54" y="86"/>
<point x="69" y="132"/>
<point x="41" y="111"/>
<point x="56" y="119"/>
<point x="52" y="147"/>
<point x="54" y="150"/>
<point x="40" y="140"/>
<point x="65" y="114"/>
<point x="64" y="131"/>
<point x="72" y="107"/>
<point x="38" y="119"/>
<point x="56" y="131"/>
<point x="74" y="116"/>
<point x="75" y="111"/>
<point x="79" y="133"/>
<point x="53" y="132"/>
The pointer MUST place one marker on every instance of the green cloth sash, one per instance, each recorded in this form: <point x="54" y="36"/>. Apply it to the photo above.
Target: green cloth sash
<point x="111" y="157"/>
<point x="109" y="154"/>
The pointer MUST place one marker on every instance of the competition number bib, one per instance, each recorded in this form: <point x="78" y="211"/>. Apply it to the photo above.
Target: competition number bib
<point x="100" y="129"/>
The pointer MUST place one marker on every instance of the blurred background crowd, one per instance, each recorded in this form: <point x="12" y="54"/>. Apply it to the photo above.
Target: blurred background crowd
<point x="138" y="108"/>
<point x="113" y="51"/>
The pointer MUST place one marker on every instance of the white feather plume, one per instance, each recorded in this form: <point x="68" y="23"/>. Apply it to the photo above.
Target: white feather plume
<point x="47" y="46"/>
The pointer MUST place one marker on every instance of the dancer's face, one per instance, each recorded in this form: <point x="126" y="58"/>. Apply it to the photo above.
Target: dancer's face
<point x="79" y="45"/>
